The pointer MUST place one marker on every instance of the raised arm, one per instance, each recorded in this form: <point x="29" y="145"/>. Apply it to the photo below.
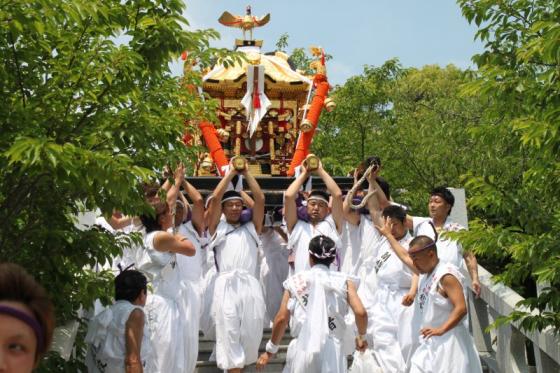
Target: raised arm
<point x="197" y="207"/>
<point x="175" y="243"/>
<point x="453" y="290"/>
<point x="215" y="208"/>
<point x="247" y="200"/>
<point x="336" y="194"/>
<point x="373" y="203"/>
<point x="351" y="216"/>
<point x="119" y="223"/>
<point x="258" y="198"/>
<point x="290" y="208"/>
<point x="175" y="189"/>
<point x="401" y="252"/>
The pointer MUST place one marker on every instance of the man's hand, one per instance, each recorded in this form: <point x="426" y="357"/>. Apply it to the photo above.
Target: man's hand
<point x="232" y="170"/>
<point x="180" y="172"/>
<point x="430" y="332"/>
<point x="385" y="229"/>
<point x="475" y="284"/>
<point x="408" y="299"/>
<point x="373" y="174"/>
<point x="263" y="360"/>
<point x="361" y="344"/>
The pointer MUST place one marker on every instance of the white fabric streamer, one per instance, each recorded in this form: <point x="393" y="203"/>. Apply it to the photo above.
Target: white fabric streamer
<point x="254" y="114"/>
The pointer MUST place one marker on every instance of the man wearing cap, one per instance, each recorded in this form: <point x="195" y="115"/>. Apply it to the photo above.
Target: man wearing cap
<point x="443" y="342"/>
<point x="238" y="305"/>
<point x="321" y="220"/>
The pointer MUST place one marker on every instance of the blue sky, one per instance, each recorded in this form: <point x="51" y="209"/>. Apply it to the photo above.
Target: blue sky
<point x="354" y="32"/>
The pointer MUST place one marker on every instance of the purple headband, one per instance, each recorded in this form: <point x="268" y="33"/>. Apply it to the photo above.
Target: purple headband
<point x="428" y="246"/>
<point x="30" y="321"/>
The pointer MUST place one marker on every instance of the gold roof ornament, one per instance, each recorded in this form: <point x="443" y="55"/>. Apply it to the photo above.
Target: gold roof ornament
<point x="247" y="22"/>
<point x="319" y="64"/>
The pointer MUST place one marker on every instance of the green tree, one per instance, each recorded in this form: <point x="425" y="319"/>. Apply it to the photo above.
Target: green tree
<point x="349" y="133"/>
<point x="519" y="71"/>
<point x="299" y="59"/>
<point x="416" y="120"/>
<point x="84" y="121"/>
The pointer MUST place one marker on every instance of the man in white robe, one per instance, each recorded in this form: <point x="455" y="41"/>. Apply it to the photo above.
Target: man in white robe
<point x="321" y="220"/>
<point x="238" y="305"/>
<point x="315" y="303"/>
<point x="443" y="341"/>
<point x="439" y="206"/>
<point x="117" y="340"/>
<point x="396" y="286"/>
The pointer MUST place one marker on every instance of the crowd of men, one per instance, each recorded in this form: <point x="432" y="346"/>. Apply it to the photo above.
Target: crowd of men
<point x="371" y="279"/>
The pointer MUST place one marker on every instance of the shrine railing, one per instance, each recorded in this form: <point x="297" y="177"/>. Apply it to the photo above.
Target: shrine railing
<point x="508" y="349"/>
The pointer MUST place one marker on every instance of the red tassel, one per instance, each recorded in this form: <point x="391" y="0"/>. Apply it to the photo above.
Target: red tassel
<point x="256" y="97"/>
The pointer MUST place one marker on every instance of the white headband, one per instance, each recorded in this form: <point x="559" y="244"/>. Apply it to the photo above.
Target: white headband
<point x="318" y="198"/>
<point x="231" y="198"/>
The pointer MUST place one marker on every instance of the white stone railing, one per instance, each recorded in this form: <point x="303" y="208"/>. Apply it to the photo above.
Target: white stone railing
<point x="504" y="349"/>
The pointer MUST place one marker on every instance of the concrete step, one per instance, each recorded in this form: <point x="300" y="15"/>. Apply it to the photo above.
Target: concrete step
<point x="276" y="365"/>
<point x="273" y="366"/>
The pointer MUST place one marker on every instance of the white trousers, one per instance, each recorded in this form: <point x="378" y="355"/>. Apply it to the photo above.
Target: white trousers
<point x="238" y="309"/>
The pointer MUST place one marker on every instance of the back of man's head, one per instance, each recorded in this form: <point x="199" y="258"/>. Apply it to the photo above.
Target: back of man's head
<point x="129" y="284"/>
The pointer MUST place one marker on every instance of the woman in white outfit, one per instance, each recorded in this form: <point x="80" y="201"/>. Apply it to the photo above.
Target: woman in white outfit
<point x="315" y="303"/>
<point x="443" y="342"/>
<point x="166" y="306"/>
<point x="189" y="221"/>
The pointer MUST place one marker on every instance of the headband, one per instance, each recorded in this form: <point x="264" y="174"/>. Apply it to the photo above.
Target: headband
<point x="325" y="254"/>
<point x="317" y="198"/>
<point x="30" y="321"/>
<point x="231" y="198"/>
<point x="428" y="246"/>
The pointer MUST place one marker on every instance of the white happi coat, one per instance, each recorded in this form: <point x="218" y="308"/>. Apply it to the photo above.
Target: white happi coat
<point x="107" y="344"/>
<point x="448" y="250"/>
<point x="303" y="232"/>
<point x="191" y="269"/>
<point x="370" y="243"/>
<point x="274" y="270"/>
<point x="165" y="308"/>
<point x="318" y="304"/>
<point x="238" y="306"/>
<point x="350" y="251"/>
<point x="453" y="351"/>
<point x="387" y="317"/>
